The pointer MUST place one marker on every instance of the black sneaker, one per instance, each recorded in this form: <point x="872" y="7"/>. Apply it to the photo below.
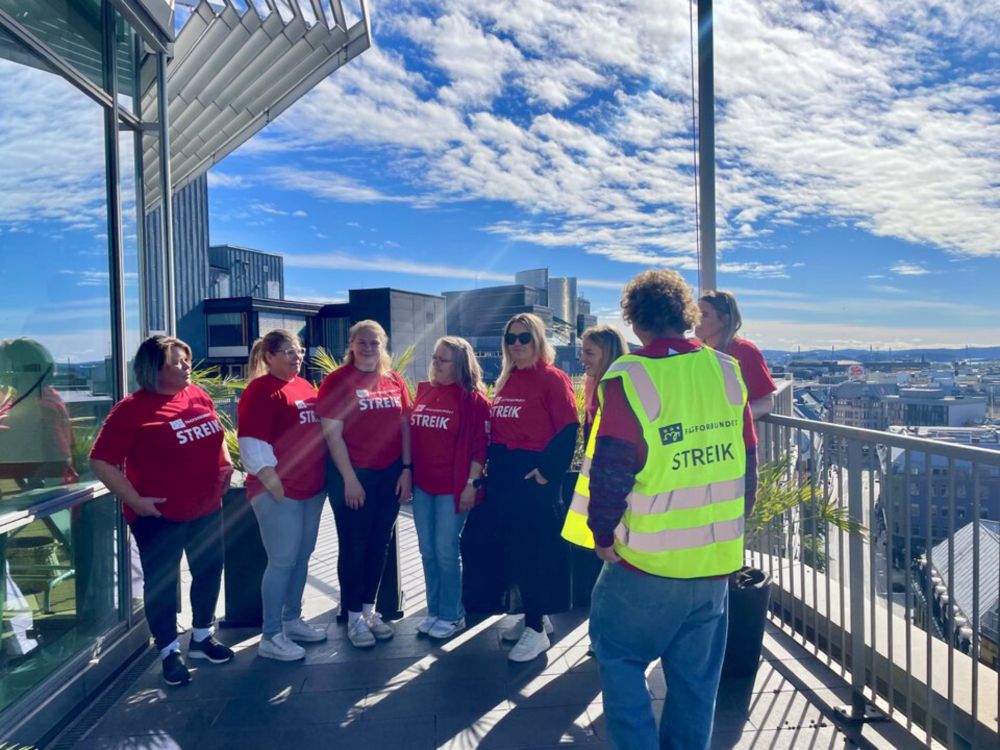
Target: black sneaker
<point x="174" y="670"/>
<point x="209" y="649"/>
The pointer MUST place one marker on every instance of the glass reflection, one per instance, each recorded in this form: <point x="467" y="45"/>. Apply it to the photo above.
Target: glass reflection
<point x="55" y="320"/>
<point x="59" y="592"/>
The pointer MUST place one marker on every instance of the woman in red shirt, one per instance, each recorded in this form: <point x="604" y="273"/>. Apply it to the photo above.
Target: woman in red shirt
<point x="168" y="439"/>
<point x="282" y="449"/>
<point x="599" y="347"/>
<point x="449" y="431"/>
<point x="533" y="425"/>
<point x="364" y="409"/>
<point x="720" y="321"/>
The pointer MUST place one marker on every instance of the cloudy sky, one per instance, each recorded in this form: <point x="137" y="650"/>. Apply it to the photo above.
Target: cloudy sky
<point x="858" y="160"/>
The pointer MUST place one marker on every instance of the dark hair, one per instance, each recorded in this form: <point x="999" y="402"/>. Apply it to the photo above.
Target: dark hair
<point x="149" y="359"/>
<point x="659" y="301"/>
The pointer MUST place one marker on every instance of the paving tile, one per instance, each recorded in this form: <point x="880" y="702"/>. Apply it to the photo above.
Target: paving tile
<point x="789" y="709"/>
<point x="157" y="716"/>
<point x="153" y="740"/>
<point x="522" y="728"/>
<point x="296" y="710"/>
<point x="567" y="689"/>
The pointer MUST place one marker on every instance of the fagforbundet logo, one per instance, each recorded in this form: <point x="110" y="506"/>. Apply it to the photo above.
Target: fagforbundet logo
<point x="672" y="433"/>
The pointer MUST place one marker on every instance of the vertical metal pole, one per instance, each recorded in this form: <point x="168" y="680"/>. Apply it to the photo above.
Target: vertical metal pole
<point x="706" y="145"/>
<point x="116" y="269"/>
<point x="856" y="553"/>
<point x="166" y="199"/>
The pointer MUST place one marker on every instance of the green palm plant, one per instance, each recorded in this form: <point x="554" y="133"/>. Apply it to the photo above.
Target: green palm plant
<point x="225" y="391"/>
<point x="324" y="363"/>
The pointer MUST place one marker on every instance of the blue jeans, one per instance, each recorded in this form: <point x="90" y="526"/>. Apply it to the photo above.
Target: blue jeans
<point x="636" y="619"/>
<point x="439" y="531"/>
<point x="288" y="530"/>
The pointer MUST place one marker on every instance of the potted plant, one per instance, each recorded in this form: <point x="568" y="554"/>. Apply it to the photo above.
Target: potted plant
<point x="784" y="497"/>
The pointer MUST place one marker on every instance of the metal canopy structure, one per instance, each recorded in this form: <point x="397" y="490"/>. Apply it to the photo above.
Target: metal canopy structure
<point x="236" y="67"/>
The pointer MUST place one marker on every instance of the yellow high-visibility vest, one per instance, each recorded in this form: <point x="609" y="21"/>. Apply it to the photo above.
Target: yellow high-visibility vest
<point x="685" y="511"/>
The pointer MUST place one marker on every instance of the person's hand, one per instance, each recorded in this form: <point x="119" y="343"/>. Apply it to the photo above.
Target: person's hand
<point x="354" y="493"/>
<point x="608" y="554"/>
<point x="537" y="476"/>
<point x="467" y="499"/>
<point x="404" y="486"/>
<point x="146" y="506"/>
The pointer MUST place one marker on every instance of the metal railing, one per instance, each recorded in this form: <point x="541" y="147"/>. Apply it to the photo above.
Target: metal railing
<point x="878" y="606"/>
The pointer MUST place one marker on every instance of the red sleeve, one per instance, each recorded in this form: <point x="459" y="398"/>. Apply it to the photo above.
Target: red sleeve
<point x="561" y="401"/>
<point x="755" y="373"/>
<point x="254" y="414"/>
<point x="480" y="427"/>
<point x="332" y="402"/>
<point x="618" y="421"/>
<point x="749" y="431"/>
<point x="117" y="434"/>
<point x="405" y="398"/>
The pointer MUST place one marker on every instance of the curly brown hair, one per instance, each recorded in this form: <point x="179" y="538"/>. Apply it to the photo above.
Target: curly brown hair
<point x="659" y="301"/>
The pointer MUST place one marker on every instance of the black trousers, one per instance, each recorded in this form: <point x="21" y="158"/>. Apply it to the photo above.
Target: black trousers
<point x="161" y="543"/>
<point x="363" y="533"/>
<point x="530" y="516"/>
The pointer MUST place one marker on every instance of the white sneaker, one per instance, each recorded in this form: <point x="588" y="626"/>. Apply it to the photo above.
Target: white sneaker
<point x="446" y="628"/>
<point x="299" y="630"/>
<point x="360" y="635"/>
<point x="514" y="631"/>
<point x="381" y="630"/>
<point x="280" y="648"/>
<point x="425" y="625"/>
<point x="531" y="645"/>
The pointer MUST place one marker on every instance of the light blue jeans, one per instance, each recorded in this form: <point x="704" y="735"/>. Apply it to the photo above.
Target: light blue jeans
<point x="288" y="530"/>
<point x="636" y="619"/>
<point x="439" y="532"/>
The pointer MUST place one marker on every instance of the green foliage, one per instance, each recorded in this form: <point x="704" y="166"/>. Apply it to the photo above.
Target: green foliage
<point x="324" y="363"/>
<point x="225" y="391"/>
<point x="580" y="394"/>
<point x="787" y="497"/>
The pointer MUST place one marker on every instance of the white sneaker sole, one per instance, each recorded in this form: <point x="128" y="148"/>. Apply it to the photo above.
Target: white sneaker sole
<point x="314" y="638"/>
<point x="513" y="633"/>
<point x="279" y="656"/>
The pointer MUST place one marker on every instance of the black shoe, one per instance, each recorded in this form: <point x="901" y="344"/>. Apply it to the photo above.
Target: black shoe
<point x="174" y="670"/>
<point x="209" y="649"/>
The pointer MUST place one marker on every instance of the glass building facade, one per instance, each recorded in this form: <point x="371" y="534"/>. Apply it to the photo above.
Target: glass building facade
<point x="75" y="79"/>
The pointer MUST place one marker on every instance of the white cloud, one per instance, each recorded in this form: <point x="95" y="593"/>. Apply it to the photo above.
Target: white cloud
<point x="580" y="115"/>
<point x="905" y="268"/>
<point x="353" y="262"/>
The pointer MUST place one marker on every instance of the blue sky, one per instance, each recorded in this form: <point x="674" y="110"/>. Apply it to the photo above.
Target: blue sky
<point x="858" y="165"/>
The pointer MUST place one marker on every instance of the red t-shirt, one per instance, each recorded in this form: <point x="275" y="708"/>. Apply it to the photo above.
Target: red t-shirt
<point x="617" y="418"/>
<point x="171" y="447"/>
<point x="532" y="407"/>
<point x="283" y="414"/>
<point x="370" y="406"/>
<point x="435" y="425"/>
<point x="755" y="373"/>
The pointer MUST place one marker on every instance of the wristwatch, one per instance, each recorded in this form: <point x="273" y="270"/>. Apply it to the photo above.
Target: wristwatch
<point x="475" y="483"/>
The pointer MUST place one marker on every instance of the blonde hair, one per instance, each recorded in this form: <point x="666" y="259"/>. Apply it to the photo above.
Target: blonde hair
<point x="384" y="360"/>
<point x="468" y="373"/>
<point x="270" y="343"/>
<point x="151" y="356"/>
<point x="543" y="349"/>
<point x="610" y="341"/>
<point x="724" y="304"/>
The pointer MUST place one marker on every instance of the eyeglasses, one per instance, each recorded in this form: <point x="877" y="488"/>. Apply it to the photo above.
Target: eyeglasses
<point x="520" y="338"/>
<point x="294" y="352"/>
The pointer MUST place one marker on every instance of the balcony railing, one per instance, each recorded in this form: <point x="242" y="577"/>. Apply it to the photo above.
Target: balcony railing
<point x="909" y="620"/>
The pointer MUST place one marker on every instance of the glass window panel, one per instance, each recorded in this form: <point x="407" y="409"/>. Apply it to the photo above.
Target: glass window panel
<point x="130" y="248"/>
<point x="60" y="592"/>
<point x="55" y="381"/>
<point x="70" y="28"/>
<point x="269" y="321"/>
<point x="125" y="48"/>
<point x="226" y="329"/>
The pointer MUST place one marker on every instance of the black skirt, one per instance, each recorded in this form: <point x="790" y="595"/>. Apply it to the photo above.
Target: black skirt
<point x="514" y="539"/>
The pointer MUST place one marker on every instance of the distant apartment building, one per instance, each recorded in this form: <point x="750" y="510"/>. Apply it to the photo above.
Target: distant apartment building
<point x="919" y="493"/>
<point x="858" y="404"/>
<point x="934" y="406"/>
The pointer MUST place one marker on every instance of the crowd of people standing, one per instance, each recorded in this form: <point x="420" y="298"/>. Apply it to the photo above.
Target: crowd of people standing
<point x="489" y="469"/>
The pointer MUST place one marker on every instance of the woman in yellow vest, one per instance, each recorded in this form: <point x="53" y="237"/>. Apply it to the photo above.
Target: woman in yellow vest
<point x="661" y="496"/>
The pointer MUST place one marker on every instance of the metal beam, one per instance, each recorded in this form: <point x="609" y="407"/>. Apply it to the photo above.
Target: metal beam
<point x="706" y="147"/>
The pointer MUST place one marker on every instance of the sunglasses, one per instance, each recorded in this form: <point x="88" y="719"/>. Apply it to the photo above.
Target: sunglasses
<point x="517" y="338"/>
